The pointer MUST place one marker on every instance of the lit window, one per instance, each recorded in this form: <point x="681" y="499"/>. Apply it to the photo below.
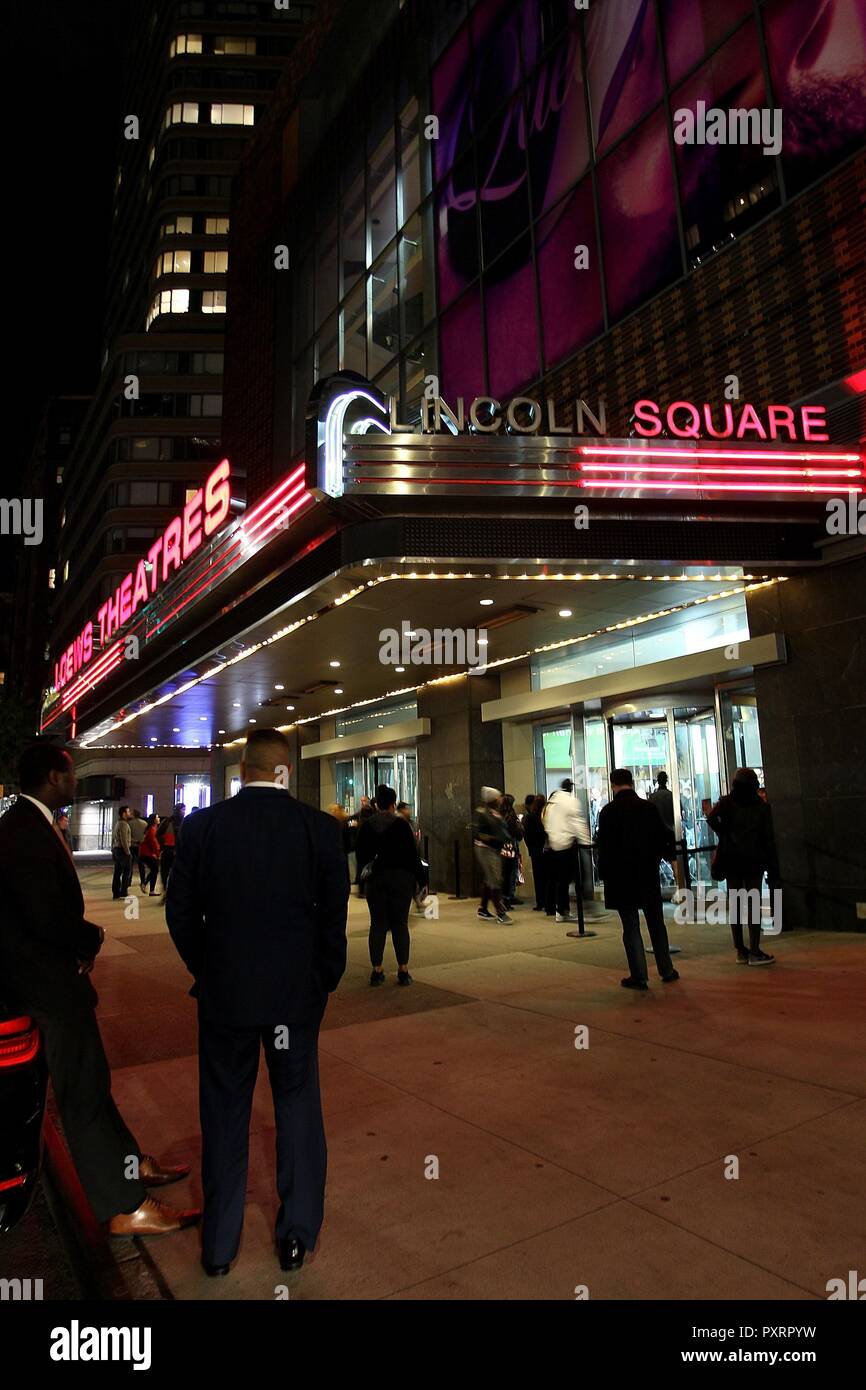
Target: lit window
<point x="216" y="262"/>
<point x="181" y="113"/>
<point x="216" y="226"/>
<point x="173" y="263"/>
<point x="184" y="43"/>
<point x="51" y="578"/>
<point x="230" y="113"/>
<point x="151" y="156"/>
<point x="65" y="571"/>
<point x="234" y="45"/>
<point x="168" y="302"/>
<point x="178" y="226"/>
<point x="213" y="302"/>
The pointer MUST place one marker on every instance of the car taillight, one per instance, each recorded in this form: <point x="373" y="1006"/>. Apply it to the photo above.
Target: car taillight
<point x="19" y="1041"/>
<point x="14" y="1182"/>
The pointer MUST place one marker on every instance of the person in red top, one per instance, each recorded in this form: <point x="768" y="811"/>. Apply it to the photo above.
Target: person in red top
<point x="148" y="856"/>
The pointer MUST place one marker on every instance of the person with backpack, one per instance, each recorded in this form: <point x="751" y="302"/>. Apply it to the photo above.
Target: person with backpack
<point x="746" y="851"/>
<point x="389" y="868"/>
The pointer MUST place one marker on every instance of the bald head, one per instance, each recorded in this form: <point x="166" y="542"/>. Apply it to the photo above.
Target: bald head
<point x="266" y="758"/>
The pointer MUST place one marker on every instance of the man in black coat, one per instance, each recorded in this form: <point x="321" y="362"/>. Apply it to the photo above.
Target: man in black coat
<point x="632" y="840"/>
<point x="47" y="950"/>
<point x="256" y="906"/>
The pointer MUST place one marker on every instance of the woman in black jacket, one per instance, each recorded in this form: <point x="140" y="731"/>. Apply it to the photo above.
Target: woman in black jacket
<point x="512" y="864"/>
<point x="535" y="836"/>
<point x="746" y="851"/>
<point x="387" y="845"/>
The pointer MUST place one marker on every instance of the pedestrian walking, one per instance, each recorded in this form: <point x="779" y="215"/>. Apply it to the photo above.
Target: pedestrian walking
<point x="632" y="841"/>
<point x="746" y="851"/>
<point x="121" y="853"/>
<point x="390" y="869"/>
<point x="512" y="863"/>
<point x="492" y="847"/>
<point x="148" y="856"/>
<point x="256" y="906"/>
<point x="47" y="954"/>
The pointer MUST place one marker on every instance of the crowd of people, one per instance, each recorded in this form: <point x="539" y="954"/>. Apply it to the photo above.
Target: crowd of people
<point x="256" y="899"/>
<point x="147" y="845"/>
<point x="634" y="841"/>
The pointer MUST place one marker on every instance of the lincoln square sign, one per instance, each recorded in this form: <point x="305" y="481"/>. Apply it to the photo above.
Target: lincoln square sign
<point x="356" y="443"/>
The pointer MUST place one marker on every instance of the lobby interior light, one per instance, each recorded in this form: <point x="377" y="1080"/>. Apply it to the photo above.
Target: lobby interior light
<point x="485" y="602"/>
<point x="399" y="669"/>
<point x="333" y="663"/>
<point x="565" y="613"/>
<point x="290" y="707"/>
<point x="279" y="687"/>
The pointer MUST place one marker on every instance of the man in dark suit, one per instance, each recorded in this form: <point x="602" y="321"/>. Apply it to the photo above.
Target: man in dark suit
<point x="632" y="840"/>
<point x="256" y="906"/>
<point x="47" y="950"/>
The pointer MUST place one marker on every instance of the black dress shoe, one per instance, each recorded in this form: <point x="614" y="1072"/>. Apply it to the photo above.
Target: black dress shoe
<point x="214" y="1271"/>
<point x="292" y="1252"/>
<point x="629" y="983"/>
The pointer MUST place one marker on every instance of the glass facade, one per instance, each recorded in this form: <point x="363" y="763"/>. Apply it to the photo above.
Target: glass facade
<point x="521" y="187"/>
<point x="692" y="630"/>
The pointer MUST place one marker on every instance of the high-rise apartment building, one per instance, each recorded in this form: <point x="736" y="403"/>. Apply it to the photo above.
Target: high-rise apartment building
<point x="201" y="74"/>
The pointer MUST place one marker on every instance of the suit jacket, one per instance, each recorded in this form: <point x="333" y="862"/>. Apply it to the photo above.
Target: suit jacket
<point x="632" y="840"/>
<point x="43" y="931"/>
<point x="256" y="905"/>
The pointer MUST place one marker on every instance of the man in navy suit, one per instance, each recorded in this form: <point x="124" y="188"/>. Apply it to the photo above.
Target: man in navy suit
<point x="256" y="906"/>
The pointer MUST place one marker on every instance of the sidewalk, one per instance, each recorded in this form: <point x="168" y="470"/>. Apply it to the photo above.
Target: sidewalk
<point x="558" y="1166"/>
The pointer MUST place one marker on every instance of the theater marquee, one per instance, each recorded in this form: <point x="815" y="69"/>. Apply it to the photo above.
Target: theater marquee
<point x="681" y="449"/>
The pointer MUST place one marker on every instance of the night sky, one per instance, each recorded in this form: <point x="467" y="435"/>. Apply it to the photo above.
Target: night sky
<point x="70" y="56"/>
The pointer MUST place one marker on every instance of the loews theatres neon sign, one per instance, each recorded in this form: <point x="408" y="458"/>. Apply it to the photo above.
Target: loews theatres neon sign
<point x="205" y="512"/>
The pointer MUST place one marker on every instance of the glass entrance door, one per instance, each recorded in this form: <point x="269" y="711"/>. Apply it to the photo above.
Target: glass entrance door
<point x="681" y="741"/>
<point x="698" y="784"/>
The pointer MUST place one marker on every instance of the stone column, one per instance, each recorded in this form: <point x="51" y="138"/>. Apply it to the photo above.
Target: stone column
<point x="459" y="757"/>
<point x="813" y="739"/>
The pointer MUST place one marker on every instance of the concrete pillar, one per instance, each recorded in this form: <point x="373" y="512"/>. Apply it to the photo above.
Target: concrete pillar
<point x="459" y="757"/>
<point x="813" y="739"/>
<point x="304" y="780"/>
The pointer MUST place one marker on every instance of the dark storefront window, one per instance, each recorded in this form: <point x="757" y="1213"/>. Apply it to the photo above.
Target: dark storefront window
<point x="561" y="200"/>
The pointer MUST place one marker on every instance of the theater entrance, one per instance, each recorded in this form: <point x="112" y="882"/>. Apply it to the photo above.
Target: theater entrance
<point x="681" y="740"/>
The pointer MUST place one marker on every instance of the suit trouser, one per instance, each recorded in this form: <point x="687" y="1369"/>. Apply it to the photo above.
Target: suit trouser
<point x="228" y="1066"/>
<point x="99" y="1140"/>
<point x="633" y="941"/>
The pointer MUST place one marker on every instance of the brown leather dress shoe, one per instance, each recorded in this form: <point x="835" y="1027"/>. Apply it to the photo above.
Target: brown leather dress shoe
<point x="152" y="1218"/>
<point x="156" y="1174"/>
